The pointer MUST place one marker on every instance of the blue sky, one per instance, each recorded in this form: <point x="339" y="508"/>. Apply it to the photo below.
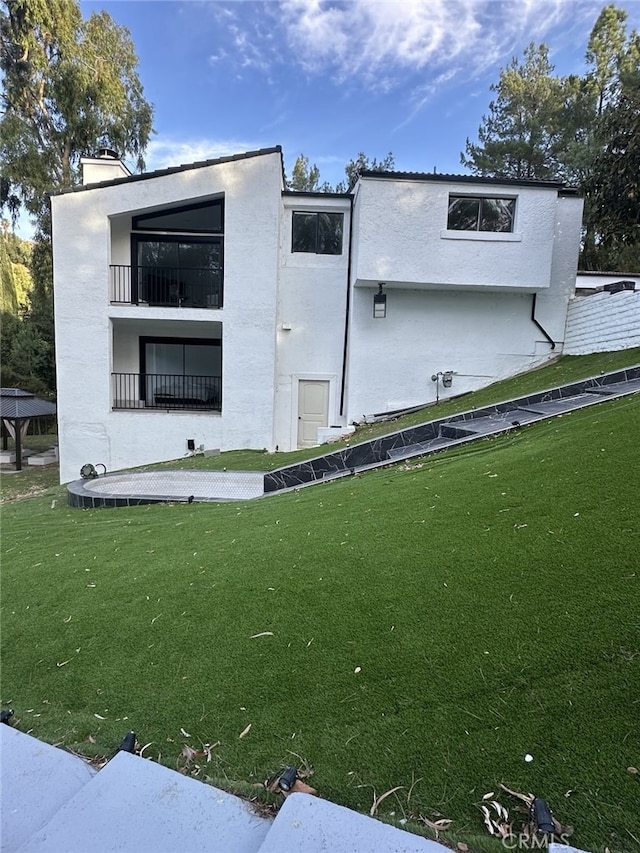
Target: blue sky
<point x="330" y="79"/>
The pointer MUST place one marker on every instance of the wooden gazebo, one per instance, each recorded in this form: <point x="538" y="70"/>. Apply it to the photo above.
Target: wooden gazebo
<point x="17" y="408"/>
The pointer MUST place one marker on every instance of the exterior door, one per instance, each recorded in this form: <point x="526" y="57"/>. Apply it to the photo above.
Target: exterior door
<point x="313" y="410"/>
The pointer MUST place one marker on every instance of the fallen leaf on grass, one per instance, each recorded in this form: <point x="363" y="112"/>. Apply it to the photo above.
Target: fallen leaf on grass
<point x="244" y="732"/>
<point x="261" y="634"/>
<point x="99" y="717"/>
<point x="632" y="770"/>
<point x="438" y="825"/>
<point x="489" y="795"/>
<point x="184" y="734"/>
<point x="378" y="800"/>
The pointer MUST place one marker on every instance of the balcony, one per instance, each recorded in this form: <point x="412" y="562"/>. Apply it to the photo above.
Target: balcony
<point x="166" y="391"/>
<point x="169" y="287"/>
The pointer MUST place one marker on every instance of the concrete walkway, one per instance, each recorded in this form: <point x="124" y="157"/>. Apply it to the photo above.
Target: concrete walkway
<point x="54" y="802"/>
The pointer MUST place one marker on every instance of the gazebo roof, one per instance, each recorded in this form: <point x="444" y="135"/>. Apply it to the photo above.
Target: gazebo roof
<point x="16" y="404"/>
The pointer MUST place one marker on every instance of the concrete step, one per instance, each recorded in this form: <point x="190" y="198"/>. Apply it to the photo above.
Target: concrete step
<point x="307" y="824"/>
<point x="134" y="805"/>
<point x="36" y="780"/>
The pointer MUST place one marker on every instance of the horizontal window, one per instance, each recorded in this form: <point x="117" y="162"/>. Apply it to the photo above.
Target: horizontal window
<point x="472" y="213"/>
<point x="317" y="233"/>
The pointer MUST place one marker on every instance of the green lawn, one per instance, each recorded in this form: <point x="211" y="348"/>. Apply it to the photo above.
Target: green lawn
<point x="429" y="625"/>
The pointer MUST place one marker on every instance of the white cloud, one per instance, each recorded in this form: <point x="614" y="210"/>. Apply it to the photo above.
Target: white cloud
<point x="378" y="42"/>
<point x="163" y="152"/>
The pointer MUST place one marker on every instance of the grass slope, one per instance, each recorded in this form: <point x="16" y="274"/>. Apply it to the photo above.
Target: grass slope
<point x="433" y="621"/>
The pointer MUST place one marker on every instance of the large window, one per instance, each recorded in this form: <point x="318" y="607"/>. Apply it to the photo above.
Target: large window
<point x="178" y="256"/>
<point x="181" y="372"/>
<point x="317" y="233"/>
<point x="473" y="213"/>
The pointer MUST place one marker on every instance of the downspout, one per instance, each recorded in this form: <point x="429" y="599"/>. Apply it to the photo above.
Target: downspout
<point x="347" y="311"/>
<point x="543" y="330"/>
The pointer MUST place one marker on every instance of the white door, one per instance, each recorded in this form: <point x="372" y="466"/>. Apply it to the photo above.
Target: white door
<point x="313" y="410"/>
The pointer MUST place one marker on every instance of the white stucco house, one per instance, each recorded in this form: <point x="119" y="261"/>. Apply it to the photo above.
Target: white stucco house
<point x="207" y="305"/>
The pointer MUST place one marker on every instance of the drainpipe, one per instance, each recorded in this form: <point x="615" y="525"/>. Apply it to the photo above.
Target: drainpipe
<point x="347" y="311"/>
<point x="533" y="317"/>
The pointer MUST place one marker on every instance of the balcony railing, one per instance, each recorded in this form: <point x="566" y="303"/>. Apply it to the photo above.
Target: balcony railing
<point x="166" y="286"/>
<point x="166" y="391"/>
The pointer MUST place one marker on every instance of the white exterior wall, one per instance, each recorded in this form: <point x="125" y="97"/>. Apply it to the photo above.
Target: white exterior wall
<point x="455" y="301"/>
<point x="603" y="322"/>
<point x="403" y="236"/>
<point x="89" y="431"/>
<point x="482" y="333"/>
<point x="312" y="301"/>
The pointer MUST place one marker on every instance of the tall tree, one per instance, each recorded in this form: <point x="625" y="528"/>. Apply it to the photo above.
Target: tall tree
<point x="304" y="176"/>
<point x="70" y="86"/>
<point x="612" y="189"/>
<point x="307" y="178"/>
<point x="362" y="163"/>
<point x="525" y="131"/>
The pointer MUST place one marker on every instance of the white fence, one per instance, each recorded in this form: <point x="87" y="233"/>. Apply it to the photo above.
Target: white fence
<point x="603" y="322"/>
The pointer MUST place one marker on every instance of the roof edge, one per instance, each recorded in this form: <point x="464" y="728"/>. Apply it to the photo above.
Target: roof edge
<point x="464" y="179"/>
<point x="170" y="170"/>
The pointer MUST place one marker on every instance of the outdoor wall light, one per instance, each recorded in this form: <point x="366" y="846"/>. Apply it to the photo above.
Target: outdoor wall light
<point x="380" y="303"/>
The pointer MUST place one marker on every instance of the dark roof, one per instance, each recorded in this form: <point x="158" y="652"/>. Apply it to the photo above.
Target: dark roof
<point x="277" y="149"/>
<point x="15" y="404"/>
<point x="315" y="194"/>
<point x="465" y="179"/>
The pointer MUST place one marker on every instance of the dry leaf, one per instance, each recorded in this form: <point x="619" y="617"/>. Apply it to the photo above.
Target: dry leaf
<point x="261" y="634"/>
<point x="526" y="798"/>
<point x="99" y="717"/>
<point x="462" y="847"/>
<point x="184" y="734"/>
<point x="378" y="800"/>
<point x="632" y="770"/>
<point x="438" y="825"/>
<point x="245" y="731"/>
<point x="489" y="795"/>
<point x="91" y="739"/>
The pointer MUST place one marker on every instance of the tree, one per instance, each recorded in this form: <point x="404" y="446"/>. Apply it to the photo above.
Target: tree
<point x="307" y="178"/>
<point x="70" y="86"/>
<point x="304" y="177"/>
<point x="528" y="126"/>
<point x="362" y="163"/>
<point x="612" y="190"/>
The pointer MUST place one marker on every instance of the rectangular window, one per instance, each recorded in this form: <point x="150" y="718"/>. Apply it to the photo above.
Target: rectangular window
<point x="184" y="373"/>
<point x="317" y="233"/>
<point x="473" y="213"/>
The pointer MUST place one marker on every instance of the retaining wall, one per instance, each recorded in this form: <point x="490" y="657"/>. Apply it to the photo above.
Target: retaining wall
<point x="603" y="322"/>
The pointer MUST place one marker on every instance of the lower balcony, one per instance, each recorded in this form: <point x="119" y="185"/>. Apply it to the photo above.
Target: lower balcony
<point x="166" y="286"/>
<point x="166" y="391"/>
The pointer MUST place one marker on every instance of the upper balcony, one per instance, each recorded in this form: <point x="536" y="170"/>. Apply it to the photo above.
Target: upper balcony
<point x="166" y="286"/>
<point x="169" y="257"/>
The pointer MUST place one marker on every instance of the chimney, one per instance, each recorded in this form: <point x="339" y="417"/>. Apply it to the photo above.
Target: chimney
<point x="105" y="165"/>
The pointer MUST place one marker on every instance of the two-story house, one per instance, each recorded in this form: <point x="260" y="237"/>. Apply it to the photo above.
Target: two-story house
<point x="207" y="305"/>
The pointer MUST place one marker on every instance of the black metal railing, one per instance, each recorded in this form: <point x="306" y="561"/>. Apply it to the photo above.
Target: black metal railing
<point x="166" y="286"/>
<point x="166" y="391"/>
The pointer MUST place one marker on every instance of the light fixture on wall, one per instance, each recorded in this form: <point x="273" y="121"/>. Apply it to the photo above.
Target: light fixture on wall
<point x="380" y="303"/>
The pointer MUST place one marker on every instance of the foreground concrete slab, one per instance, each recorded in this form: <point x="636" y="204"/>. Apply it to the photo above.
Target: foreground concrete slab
<point x="36" y="779"/>
<point x="138" y="806"/>
<point x="307" y="824"/>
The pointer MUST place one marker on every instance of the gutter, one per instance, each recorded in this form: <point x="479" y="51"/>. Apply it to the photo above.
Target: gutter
<point x="343" y="380"/>
<point x="542" y="329"/>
